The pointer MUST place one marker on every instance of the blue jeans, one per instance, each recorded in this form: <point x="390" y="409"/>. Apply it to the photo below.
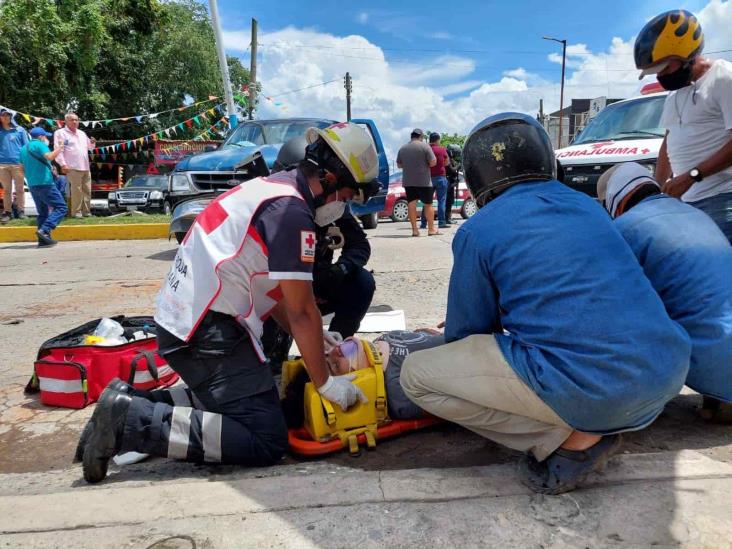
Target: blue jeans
<point x="47" y="196"/>
<point x="719" y="208"/>
<point x="439" y="183"/>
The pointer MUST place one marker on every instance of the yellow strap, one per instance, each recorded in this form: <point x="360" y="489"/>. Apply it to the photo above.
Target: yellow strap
<point x="377" y="362"/>
<point x="330" y="414"/>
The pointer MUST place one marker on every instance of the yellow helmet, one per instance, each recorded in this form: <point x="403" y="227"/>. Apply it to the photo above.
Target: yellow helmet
<point x="353" y="146"/>
<point x="674" y="34"/>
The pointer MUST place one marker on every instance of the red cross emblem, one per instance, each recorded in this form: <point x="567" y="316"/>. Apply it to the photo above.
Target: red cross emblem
<point x="307" y="246"/>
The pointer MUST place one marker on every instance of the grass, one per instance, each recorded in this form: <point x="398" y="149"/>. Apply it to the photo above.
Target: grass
<point x="102" y="220"/>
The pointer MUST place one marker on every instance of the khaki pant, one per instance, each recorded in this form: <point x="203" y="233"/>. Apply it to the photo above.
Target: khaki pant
<point x="470" y="383"/>
<point x="80" y="185"/>
<point x="8" y="174"/>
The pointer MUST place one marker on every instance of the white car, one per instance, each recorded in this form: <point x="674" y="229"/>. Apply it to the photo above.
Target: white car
<point x="626" y="131"/>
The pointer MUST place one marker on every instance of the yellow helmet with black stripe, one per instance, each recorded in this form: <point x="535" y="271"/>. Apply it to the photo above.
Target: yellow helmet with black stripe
<point x="671" y="35"/>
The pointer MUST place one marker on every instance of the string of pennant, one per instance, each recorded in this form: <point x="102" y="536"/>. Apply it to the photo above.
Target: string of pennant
<point x="106" y="122"/>
<point x="245" y="98"/>
<point x="140" y="142"/>
<point x="147" y="155"/>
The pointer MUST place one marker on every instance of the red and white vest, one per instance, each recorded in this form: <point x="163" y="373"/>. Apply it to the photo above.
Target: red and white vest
<point x="222" y="265"/>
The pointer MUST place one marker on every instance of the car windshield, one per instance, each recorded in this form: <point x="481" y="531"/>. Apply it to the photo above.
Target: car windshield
<point x="264" y="133"/>
<point x="639" y="119"/>
<point x="149" y="182"/>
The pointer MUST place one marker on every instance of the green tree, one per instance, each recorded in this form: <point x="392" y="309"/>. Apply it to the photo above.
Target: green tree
<point x="448" y="139"/>
<point x="108" y="59"/>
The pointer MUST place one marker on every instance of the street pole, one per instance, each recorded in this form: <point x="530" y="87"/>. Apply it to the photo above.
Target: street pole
<point x="561" y="93"/>
<point x="349" y="87"/>
<point x="253" y="71"/>
<point x="228" y="94"/>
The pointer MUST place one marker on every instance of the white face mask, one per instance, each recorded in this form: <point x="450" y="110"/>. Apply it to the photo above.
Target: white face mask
<point x="330" y="212"/>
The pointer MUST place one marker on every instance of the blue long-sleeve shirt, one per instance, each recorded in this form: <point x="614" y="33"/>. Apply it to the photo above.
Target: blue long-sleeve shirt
<point x="583" y="326"/>
<point x="11" y="141"/>
<point x="689" y="262"/>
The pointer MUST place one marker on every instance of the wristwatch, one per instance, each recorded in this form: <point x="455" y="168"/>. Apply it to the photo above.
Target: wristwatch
<point x="695" y="174"/>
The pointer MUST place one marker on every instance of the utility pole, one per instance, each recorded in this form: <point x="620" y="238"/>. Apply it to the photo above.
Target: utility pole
<point x="253" y="71"/>
<point x="561" y="93"/>
<point x="215" y="23"/>
<point x="349" y="87"/>
<point x="541" y="111"/>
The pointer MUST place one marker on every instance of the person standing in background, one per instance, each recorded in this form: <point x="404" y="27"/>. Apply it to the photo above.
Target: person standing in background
<point x="74" y="162"/>
<point x="415" y="159"/>
<point x="452" y="171"/>
<point x="438" y="177"/>
<point x="695" y="159"/>
<point x="36" y="158"/>
<point x="12" y="139"/>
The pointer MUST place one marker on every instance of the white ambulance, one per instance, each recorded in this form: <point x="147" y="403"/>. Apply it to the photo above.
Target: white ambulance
<point x="625" y="131"/>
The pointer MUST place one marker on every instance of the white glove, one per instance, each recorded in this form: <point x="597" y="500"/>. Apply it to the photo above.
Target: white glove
<point x="331" y="339"/>
<point x="340" y="390"/>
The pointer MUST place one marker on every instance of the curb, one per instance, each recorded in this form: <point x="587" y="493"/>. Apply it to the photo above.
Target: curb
<point x="132" y="231"/>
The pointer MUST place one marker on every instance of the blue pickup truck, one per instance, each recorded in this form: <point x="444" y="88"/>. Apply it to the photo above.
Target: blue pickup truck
<point x="250" y="151"/>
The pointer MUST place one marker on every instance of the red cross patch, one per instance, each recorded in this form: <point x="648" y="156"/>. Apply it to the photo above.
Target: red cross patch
<point x="307" y="246"/>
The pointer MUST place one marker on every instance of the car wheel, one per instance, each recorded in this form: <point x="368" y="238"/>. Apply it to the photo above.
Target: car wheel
<point x="370" y="221"/>
<point x="400" y="211"/>
<point x="469" y="208"/>
<point x="167" y="208"/>
<point x="179" y="237"/>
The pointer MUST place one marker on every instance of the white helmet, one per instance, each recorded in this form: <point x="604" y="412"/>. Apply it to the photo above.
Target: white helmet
<point x="353" y="146"/>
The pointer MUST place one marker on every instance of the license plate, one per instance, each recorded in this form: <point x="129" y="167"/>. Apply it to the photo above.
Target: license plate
<point x="131" y="208"/>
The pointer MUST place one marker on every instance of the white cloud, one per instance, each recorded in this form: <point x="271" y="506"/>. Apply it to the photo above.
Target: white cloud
<point x="430" y="93"/>
<point x="441" y="35"/>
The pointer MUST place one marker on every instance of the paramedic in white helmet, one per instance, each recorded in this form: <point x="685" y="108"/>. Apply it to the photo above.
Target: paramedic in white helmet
<point x="248" y="256"/>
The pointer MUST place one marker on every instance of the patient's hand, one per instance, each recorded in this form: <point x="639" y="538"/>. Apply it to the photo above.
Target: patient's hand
<point x="432" y="331"/>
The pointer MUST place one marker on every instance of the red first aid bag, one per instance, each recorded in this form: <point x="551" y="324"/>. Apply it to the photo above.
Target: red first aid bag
<point x="70" y="374"/>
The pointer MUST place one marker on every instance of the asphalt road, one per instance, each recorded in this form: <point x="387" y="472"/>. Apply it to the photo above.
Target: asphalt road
<point x="45" y="292"/>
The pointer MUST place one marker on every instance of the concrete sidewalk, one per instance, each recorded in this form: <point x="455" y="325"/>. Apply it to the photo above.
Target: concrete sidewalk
<point x="664" y="499"/>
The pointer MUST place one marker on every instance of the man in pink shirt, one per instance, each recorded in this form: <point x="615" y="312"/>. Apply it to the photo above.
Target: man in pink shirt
<point x="74" y="162"/>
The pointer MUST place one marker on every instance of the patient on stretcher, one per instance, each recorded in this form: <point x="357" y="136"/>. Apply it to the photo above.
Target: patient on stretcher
<point x="349" y="356"/>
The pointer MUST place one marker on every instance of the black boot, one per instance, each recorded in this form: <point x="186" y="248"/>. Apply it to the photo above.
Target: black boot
<point x="115" y="385"/>
<point x="108" y="421"/>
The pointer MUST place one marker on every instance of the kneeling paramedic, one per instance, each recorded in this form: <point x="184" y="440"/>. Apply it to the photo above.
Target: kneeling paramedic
<point x="556" y="339"/>
<point x="248" y="255"/>
<point x="688" y="259"/>
<point x="343" y="287"/>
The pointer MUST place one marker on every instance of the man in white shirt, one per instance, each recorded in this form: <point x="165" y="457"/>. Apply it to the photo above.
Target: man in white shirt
<point x="695" y="160"/>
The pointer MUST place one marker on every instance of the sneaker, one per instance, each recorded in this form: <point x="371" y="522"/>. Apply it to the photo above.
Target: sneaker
<point x="87" y="215"/>
<point x="443" y="225"/>
<point x="44" y="239"/>
<point x="4" y="218"/>
<point x="21" y="215"/>
<point x="78" y="216"/>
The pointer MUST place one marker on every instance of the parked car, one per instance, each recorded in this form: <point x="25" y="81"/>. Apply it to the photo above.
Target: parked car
<point x="148" y="193"/>
<point x="625" y="131"/>
<point x="248" y="152"/>
<point x="396" y="207"/>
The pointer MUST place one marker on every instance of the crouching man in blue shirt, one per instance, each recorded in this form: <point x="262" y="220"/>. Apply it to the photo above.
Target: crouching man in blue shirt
<point x="557" y="340"/>
<point x="688" y="260"/>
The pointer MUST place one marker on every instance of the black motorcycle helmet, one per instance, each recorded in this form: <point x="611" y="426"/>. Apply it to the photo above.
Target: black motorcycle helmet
<point x="291" y="153"/>
<point x="503" y="150"/>
<point x="454" y="151"/>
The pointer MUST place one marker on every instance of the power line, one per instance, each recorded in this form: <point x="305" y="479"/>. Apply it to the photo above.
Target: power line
<point x="432" y="50"/>
<point x="305" y="88"/>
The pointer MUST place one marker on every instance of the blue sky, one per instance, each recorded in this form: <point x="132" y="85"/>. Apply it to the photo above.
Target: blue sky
<point x="506" y="27"/>
<point x="442" y="65"/>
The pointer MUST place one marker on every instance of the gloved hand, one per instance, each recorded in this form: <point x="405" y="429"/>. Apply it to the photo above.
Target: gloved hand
<point x="340" y="390"/>
<point x="331" y="340"/>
